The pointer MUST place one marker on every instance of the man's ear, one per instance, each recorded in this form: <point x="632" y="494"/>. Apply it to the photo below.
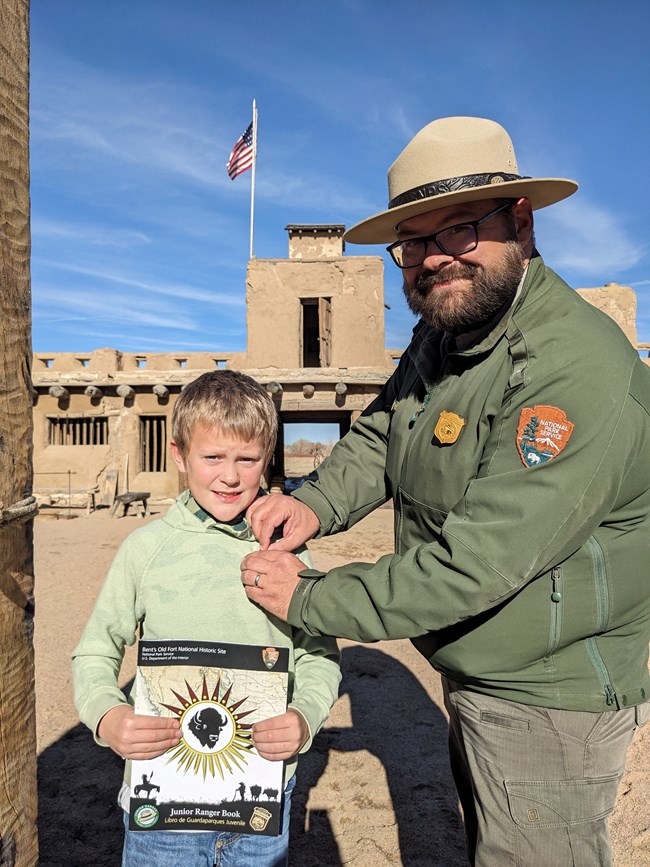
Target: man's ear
<point x="525" y="224"/>
<point x="177" y="456"/>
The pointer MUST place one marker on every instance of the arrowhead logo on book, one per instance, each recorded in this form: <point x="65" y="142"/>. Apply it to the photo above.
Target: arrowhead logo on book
<point x="270" y="656"/>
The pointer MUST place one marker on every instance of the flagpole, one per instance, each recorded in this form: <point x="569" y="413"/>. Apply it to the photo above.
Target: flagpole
<point x="253" y="175"/>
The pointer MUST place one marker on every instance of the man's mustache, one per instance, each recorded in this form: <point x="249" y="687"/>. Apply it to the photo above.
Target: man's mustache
<point x="427" y="281"/>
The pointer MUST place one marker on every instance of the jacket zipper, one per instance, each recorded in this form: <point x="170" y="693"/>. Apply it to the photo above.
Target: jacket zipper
<point x="429" y="392"/>
<point x="418" y="412"/>
<point x="600" y="574"/>
<point x="555" y="627"/>
<point x="597" y="555"/>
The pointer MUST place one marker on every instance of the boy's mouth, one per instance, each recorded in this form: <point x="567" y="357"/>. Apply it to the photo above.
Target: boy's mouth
<point x="227" y="496"/>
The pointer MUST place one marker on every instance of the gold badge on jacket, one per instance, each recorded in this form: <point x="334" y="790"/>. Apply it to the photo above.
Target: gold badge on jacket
<point x="448" y="428"/>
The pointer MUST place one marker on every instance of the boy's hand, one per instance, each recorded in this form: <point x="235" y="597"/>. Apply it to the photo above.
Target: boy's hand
<point x="266" y="514"/>
<point x="281" y="737"/>
<point x="133" y="736"/>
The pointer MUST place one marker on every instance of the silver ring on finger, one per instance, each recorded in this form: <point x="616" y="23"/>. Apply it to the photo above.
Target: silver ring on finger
<point x="256" y="580"/>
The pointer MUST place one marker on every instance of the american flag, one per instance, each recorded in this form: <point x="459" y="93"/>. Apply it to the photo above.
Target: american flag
<point x="241" y="158"/>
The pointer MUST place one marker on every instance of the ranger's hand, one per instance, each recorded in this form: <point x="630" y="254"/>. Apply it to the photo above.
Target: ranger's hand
<point x="270" y="577"/>
<point x="266" y="514"/>
<point x="133" y="736"/>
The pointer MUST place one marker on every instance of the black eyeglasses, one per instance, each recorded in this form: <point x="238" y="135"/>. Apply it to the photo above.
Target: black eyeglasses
<point x="452" y="241"/>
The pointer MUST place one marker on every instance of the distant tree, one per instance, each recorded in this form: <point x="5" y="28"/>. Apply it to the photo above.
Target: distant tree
<point x="307" y="448"/>
<point x="300" y="447"/>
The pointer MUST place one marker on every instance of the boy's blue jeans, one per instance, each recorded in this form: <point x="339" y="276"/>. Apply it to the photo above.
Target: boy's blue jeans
<point x="206" y="849"/>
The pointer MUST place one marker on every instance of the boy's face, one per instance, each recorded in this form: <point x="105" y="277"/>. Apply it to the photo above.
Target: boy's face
<point x="223" y="472"/>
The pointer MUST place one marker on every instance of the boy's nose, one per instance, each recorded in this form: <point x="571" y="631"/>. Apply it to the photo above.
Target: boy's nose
<point x="230" y="475"/>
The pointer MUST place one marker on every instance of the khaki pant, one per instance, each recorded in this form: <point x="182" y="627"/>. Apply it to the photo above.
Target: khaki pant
<point x="536" y="785"/>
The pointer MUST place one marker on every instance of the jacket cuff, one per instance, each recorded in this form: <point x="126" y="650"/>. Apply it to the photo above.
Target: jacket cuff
<point x="97" y="709"/>
<point x="300" y="594"/>
<point x="307" y="745"/>
<point x="312" y="574"/>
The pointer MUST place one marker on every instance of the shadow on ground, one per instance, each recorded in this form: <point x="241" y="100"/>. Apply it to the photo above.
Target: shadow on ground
<point x="79" y="822"/>
<point x="394" y="719"/>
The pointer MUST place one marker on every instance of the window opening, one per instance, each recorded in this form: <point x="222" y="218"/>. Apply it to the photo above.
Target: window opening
<point x="153" y="437"/>
<point x="77" y="431"/>
<point x="316" y="331"/>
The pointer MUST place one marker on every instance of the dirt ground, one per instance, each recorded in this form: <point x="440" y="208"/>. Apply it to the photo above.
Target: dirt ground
<point x="364" y="797"/>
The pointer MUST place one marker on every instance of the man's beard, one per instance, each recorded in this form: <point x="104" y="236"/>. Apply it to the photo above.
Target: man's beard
<point x="459" y="309"/>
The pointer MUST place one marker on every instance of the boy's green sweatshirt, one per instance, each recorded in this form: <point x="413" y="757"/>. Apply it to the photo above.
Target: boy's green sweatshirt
<point x="179" y="578"/>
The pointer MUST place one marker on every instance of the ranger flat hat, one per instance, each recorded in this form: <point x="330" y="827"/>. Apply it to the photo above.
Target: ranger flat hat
<point x="454" y="160"/>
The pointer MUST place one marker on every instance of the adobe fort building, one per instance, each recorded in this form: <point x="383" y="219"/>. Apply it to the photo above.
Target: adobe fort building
<point x="315" y="339"/>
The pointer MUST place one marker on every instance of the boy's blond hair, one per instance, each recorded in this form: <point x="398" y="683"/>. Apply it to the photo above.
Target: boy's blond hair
<point x="230" y="401"/>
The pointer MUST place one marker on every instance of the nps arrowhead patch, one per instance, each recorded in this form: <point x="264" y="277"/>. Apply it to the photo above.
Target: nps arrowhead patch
<point x="542" y="433"/>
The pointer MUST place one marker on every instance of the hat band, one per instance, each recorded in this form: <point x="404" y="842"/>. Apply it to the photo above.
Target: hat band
<point x="452" y="185"/>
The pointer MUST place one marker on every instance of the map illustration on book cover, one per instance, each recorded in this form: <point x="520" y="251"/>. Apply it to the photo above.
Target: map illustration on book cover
<point x="213" y="779"/>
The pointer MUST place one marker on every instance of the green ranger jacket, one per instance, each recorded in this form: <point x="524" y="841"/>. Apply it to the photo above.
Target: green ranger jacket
<point x="520" y="475"/>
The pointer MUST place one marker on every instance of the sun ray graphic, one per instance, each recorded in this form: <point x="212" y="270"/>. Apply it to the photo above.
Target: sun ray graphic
<point x="213" y="737"/>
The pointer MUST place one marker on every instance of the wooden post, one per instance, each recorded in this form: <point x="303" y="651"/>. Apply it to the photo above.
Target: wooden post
<point x="19" y="842"/>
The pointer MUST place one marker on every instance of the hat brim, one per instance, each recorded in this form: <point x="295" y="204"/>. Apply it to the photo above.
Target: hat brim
<point x="382" y="228"/>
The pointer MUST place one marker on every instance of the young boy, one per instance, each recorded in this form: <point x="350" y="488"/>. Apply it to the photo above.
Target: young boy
<point x="179" y="578"/>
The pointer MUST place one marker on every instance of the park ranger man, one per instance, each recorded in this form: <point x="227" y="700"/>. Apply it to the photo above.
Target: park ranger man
<point x="514" y="441"/>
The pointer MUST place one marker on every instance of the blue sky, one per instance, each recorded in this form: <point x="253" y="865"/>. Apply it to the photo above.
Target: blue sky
<point x="141" y="240"/>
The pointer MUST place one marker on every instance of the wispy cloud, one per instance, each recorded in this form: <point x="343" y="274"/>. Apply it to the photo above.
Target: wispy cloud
<point x="317" y="192"/>
<point x="177" y="291"/>
<point x="79" y="233"/>
<point x="142" y="341"/>
<point x="128" y="310"/>
<point x="588" y="238"/>
<point x="143" y="123"/>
